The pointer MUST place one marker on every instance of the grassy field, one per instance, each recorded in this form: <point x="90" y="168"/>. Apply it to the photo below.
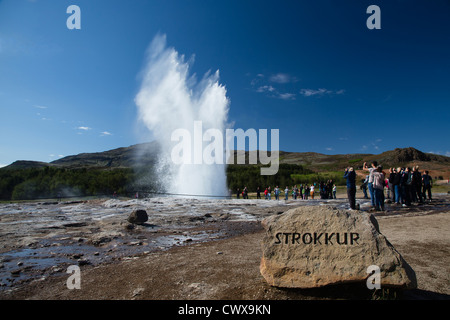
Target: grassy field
<point x="441" y="188"/>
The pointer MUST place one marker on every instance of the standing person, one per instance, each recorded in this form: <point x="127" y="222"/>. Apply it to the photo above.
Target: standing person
<point x="378" y="187"/>
<point x="295" y="192"/>
<point x="427" y="185"/>
<point x="409" y="183"/>
<point x="412" y="185"/>
<point x="391" y="184"/>
<point x="397" y="186"/>
<point x="258" y="193"/>
<point x="329" y="189"/>
<point x="238" y="193"/>
<point x="277" y="192"/>
<point x="364" y="186"/>
<point x="417" y="182"/>
<point x="286" y="193"/>
<point x="269" y="193"/>
<point x="405" y="183"/>
<point x="350" y="175"/>
<point x="265" y="193"/>
<point x="312" y="191"/>
<point x="245" y="193"/>
<point x="374" y="165"/>
<point x="334" y="191"/>
<point x="321" y="190"/>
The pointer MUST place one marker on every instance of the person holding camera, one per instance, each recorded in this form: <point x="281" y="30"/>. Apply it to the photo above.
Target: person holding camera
<point x="370" y="182"/>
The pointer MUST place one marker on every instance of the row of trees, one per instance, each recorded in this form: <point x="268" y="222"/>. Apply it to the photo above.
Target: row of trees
<point x="49" y="182"/>
<point x="240" y="176"/>
<point x="52" y="182"/>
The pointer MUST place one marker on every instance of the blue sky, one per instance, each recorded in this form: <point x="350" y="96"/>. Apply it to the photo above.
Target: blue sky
<point x="311" y="69"/>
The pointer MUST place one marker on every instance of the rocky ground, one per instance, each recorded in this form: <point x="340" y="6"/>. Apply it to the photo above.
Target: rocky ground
<point x="190" y="249"/>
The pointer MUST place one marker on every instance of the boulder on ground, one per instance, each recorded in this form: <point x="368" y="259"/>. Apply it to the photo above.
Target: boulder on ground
<point x="138" y="216"/>
<point x="314" y="246"/>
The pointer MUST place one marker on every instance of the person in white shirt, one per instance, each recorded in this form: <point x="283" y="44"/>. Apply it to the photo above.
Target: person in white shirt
<point x="370" y="182"/>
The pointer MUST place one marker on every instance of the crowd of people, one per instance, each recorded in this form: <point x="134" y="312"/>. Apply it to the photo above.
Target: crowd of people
<point x="327" y="190"/>
<point x="404" y="186"/>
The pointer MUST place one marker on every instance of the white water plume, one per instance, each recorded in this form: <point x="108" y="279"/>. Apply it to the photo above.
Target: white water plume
<point x="171" y="99"/>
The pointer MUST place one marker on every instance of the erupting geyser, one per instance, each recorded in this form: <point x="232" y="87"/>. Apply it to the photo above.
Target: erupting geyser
<point x="171" y="99"/>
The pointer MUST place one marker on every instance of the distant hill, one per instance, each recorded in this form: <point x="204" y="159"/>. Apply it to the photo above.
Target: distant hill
<point x="408" y="155"/>
<point x="25" y="164"/>
<point x="323" y="162"/>
<point x="146" y="154"/>
<point x="126" y="157"/>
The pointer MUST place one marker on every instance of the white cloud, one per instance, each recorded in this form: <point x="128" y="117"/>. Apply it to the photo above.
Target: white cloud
<point x="311" y="92"/>
<point x="282" y="78"/>
<point x="40" y="107"/>
<point x="286" y="96"/>
<point x="270" y="85"/>
<point x="274" y="93"/>
<point x="2" y="165"/>
<point x="329" y="149"/>
<point x="105" y="133"/>
<point x="265" y="89"/>
<point x="447" y="153"/>
<point x="320" y="92"/>
<point x="84" y="128"/>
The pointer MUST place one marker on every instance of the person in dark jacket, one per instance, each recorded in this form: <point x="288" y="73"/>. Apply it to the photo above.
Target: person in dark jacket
<point x="427" y="185"/>
<point x="364" y="186"/>
<point x="391" y="185"/>
<point x="417" y="185"/>
<point x="350" y="175"/>
<point x="405" y="182"/>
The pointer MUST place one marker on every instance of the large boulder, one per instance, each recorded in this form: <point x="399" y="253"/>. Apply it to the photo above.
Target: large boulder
<point x="314" y="246"/>
<point x="138" y="216"/>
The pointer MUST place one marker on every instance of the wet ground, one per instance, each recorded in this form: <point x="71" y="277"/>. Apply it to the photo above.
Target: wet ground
<point x="41" y="239"/>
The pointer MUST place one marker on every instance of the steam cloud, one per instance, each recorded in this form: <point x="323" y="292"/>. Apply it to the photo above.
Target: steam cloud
<point x="169" y="99"/>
